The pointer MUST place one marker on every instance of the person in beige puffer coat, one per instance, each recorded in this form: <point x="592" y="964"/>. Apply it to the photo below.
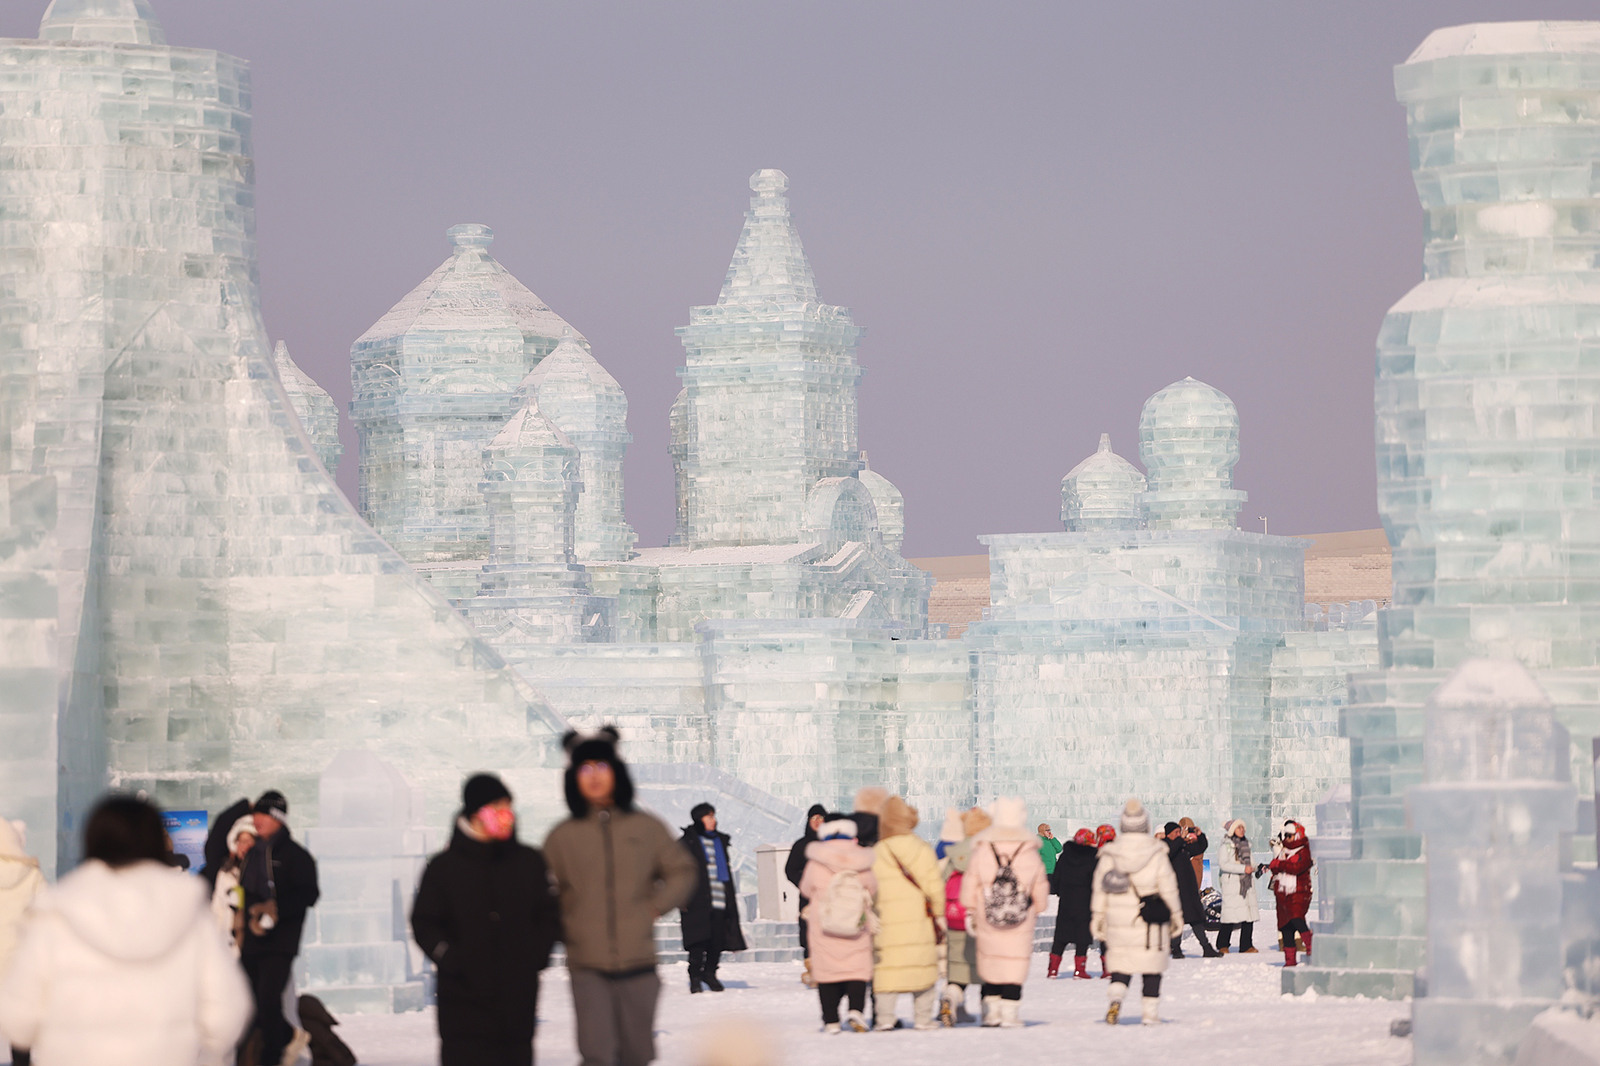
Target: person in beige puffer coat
<point x="1004" y="954"/>
<point x="1133" y="868"/>
<point x="20" y="883"/>
<point x="909" y="889"/>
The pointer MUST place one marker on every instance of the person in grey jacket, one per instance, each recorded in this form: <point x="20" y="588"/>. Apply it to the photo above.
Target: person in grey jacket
<point x="616" y="871"/>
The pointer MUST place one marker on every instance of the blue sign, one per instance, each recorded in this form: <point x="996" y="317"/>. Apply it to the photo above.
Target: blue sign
<point x="188" y="832"/>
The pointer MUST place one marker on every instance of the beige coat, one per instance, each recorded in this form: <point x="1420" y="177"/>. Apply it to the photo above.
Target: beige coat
<point x="20" y="883"/>
<point x="963" y="953"/>
<point x="1004" y="954"/>
<point x="907" y="956"/>
<point x="1131" y="945"/>
<point x="837" y="958"/>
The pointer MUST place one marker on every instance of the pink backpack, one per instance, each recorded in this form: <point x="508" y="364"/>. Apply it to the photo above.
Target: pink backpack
<point x="955" y="915"/>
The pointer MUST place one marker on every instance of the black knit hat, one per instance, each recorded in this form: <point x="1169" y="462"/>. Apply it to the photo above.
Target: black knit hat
<point x="816" y="809"/>
<point x="273" y="803"/>
<point x="597" y="747"/>
<point x="1170" y="826"/>
<point x="482" y="790"/>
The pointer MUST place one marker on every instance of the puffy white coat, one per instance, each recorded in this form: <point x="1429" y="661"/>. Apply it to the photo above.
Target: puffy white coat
<point x="124" y="968"/>
<point x="1131" y="945"/>
<point x="1004" y="954"/>
<point x="20" y="882"/>
<point x="1236" y="906"/>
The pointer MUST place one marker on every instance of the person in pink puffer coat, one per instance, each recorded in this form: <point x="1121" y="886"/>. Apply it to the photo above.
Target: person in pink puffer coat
<point x="841" y="965"/>
<point x="1004" y="954"/>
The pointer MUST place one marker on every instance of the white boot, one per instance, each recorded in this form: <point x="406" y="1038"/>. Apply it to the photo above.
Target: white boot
<point x="832" y="1028"/>
<point x="1114" y="1011"/>
<point x="1151" y="1015"/>
<point x="922" y="1009"/>
<point x="949" y="1001"/>
<point x="1010" y="1014"/>
<point x="991" y="1012"/>
<point x="883" y="1007"/>
<point x="858" y="1023"/>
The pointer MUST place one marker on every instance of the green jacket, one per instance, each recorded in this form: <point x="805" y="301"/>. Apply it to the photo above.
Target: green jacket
<point x="1050" y="851"/>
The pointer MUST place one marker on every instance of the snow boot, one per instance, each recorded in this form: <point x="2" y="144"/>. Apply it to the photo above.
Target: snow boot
<point x="922" y="1009"/>
<point x="858" y="1024"/>
<point x="1055" y="967"/>
<point x="1305" y="938"/>
<point x="1151" y="1014"/>
<point x="1288" y="955"/>
<point x="805" y="976"/>
<point x="950" y="1000"/>
<point x="1010" y="1014"/>
<point x="1113" y="1012"/>
<point x="883" y="1005"/>
<point x="991" y="1012"/>
<point x="832" y="1029"/>
<point x="963" y="1015"/>
<point x="1080" y="967"/>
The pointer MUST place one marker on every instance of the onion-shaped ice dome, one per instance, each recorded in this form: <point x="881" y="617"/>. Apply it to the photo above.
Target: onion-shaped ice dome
<point x="315" y="408"/>
<point x="1102" y="492"/>
<point x="1189" y="441"/>
<point x="890" y="504"/>
<point x="114" y="21"/>
<point x="585" y="402"/>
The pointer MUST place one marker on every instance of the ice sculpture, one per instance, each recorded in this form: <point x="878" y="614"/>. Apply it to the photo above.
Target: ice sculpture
<point x="1492" y="812"/>
<point x="889" y="504"/>
<point x="1189" y="442"/>
<point x="193" y="608"/>
<point x="356" y="953"/>
<point x="434" y="381"/>
<point x="769" y="404"/>
<point x="1488" y="425"/>
<point x="588" y="406"/>
<point x="1102" y="492"/>
<point x="313" y="406"/>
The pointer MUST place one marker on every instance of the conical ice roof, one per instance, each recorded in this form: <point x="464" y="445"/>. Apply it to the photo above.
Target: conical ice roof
<point x="768" y="262"/>
<point x="571" y="372"/>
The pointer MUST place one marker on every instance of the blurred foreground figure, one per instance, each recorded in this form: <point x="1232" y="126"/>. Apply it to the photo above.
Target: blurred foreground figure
<point x="20" y="882"/>
<point x="121" y="963"/>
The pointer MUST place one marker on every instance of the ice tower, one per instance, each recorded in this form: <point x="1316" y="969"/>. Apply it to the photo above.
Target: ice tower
<point x="1488" y="428"/>
<point x="769" y="403"/>
<point x="192" y="607"/>
<point x="434" y="380"/>
<point x="313" y="406"/>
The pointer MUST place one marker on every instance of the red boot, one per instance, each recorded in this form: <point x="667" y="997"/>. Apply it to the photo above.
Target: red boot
<point x="1105" y="971"/>
<point x="1055" y="967"/>
<point x="1288" y="955"/>
<point x="1080" y="967"/>
<point x="1305" y="939"/>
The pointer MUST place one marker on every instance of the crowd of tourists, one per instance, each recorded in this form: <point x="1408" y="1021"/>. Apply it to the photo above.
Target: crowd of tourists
<point x="131" y="960"/>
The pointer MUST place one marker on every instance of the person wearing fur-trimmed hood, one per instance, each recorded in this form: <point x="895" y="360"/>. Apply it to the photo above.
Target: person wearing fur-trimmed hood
<point x="616" y="871"/>
<point x="1291" y="887"/>
<point x="840" y="888"/>
<point x="1133" y="882"/>
<point x="710" y="917"/>
<point x="1236" y="884"/>
<point x="911" y="916"/>
<point x="1004" y="892"/>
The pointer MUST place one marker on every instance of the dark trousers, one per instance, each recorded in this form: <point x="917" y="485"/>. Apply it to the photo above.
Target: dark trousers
<point x="1003" y="991"/>
<point x="616" y="1016"/>
<point x="484" y="1051"/>
<point x="706" y="955"/>
<point x="1199" y="932"/>
<point x="831" y="993"/>
<point x="20" y="1057"/>
<point x="1294" y="925"/>
<point x="1071" y="932"/>
<point x="1247" y="934"/>
<point x="805" y="941"/>
<point x="268" y="976"/>
<point x="1151" y="985"/>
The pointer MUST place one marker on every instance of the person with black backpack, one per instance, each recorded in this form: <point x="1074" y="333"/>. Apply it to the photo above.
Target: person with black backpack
<point x="1135" y="910"/>
<point x="1004" y="891"/>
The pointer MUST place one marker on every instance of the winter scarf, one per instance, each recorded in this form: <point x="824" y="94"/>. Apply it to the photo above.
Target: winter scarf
<point x="1241" y="851"/>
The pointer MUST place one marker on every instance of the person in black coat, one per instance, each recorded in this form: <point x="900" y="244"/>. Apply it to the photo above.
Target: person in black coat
<point x="485" y="914"/>
<point x="1073" y="882"/>
<point x="711" y="917"/>
<point x="1182" y="846"/>
<point x="795" y="868"/>
<point x="279" y="879"/>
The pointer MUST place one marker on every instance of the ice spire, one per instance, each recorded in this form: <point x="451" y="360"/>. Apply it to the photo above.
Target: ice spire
<point x="117" y="21"/>
<point x="769" y="262"/>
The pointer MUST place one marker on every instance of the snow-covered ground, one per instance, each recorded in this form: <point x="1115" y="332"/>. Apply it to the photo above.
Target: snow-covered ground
<point x="1226" y="1011"/>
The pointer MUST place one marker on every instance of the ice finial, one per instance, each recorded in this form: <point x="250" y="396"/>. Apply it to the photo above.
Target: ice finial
<point x="1105" y="444"/>
<point x="769" y="263"/>
<point x="470" y="236"/>
<point x="115" y="21"/>
<point x="769" y="182"/>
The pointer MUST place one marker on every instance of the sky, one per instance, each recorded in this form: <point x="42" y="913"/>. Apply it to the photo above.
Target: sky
<point x="1041" y="213"/>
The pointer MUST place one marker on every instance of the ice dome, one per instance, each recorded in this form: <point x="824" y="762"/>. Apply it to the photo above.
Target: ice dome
<point x="890" y="504"/>
<point x="1189" y="442"/>
<point x="1102" y="492"/>
<point x="115" y="21"/>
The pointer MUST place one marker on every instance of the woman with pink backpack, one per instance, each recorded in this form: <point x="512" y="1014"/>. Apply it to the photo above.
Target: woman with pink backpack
<point x="1004" y="891"/>
<point x="839" y="887"/>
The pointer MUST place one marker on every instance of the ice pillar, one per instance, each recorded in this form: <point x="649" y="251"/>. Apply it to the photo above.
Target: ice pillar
<point x="1496" y="800"/>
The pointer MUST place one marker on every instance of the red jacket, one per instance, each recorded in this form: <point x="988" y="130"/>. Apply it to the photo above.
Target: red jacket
<point x="1295" y="862"/>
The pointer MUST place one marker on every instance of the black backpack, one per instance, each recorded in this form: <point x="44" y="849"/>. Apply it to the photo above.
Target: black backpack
<point x="1153" y="910"/>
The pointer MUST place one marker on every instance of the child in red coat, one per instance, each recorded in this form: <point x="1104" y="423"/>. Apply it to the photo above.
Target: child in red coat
<point x="1291" y="885"/>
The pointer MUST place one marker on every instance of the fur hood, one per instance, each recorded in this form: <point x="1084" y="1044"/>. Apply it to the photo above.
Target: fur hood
<point x="975" y="821"/>
<point x="135" y="914"/>
<point x="840" y="855"/>
<point x="898" y="818"/>
<point x="1010" y="822"/>
<point x="1133" y="851"/>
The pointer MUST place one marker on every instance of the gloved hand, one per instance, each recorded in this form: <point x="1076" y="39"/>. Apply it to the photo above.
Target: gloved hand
<point x="1097" y="926"/>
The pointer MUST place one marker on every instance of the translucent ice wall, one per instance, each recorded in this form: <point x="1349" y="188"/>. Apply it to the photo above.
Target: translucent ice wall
<point x="203" y="612"/>
<point x="434" y="381"/>
<point x="1488" y="428"/>
<point x="770" y="374"/>
<point x="1492" y="812"/>
<point x="313" y="406"/>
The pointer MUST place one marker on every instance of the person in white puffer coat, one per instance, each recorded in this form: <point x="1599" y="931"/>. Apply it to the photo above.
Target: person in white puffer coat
<point x="20" y="883"/>
<point x="121" y="963"/>
<point x="1133" y="868"/>
<point x="1236" y="885"/>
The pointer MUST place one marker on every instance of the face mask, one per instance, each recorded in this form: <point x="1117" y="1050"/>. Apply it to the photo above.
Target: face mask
<point x="497" y="822"/>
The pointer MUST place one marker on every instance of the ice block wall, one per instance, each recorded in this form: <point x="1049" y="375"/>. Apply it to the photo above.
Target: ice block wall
<point x="206" y="613"/>
<point x="1487" y="397"/>
<point x="1492" y="811"/>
